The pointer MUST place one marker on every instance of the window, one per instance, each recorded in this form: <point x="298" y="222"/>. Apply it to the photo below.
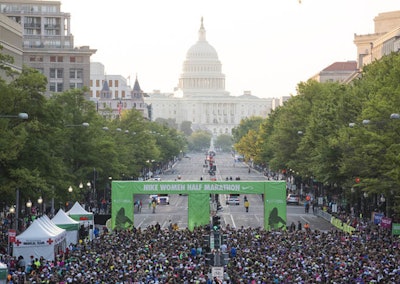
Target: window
<point x="75" y="73"/>
<point x="56" y="87"/>
<point x="75" y="85"/>
<point x="76" y="59"/>
<point x="35" y="58"/>
<point x="56" y="73"/>
<point x="56" y="59"/>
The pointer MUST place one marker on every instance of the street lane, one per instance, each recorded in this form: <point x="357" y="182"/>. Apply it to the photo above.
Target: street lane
<point x="192" y="169"/>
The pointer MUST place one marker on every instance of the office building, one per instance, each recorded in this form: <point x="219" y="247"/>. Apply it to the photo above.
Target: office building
<point x="48" y="44"/>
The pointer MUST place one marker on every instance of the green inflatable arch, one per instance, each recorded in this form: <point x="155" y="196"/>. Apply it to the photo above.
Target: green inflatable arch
<point x="198" y="192"/>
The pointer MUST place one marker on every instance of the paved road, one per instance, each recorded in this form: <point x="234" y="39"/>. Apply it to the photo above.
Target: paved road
<point x="234" y="215"/>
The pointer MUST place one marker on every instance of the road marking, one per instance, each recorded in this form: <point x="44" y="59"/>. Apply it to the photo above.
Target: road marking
<point x="233" y="221"/>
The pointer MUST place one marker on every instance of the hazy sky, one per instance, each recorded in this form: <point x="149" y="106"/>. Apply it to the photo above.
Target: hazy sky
<point x="265" y="46"/>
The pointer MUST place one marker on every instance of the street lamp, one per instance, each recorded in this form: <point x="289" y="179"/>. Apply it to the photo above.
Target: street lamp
<point x="70" y="189"/>
<point x="395" y="116"/>
<point x="28" y="207"/>
<point x="40" y="202"/>
<point x="84" y="124"/>
<point x="12" y="212"/>
<point x="21" y="115"/>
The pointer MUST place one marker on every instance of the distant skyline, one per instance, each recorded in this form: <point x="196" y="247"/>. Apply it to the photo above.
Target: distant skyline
<point x="266" y="47"/>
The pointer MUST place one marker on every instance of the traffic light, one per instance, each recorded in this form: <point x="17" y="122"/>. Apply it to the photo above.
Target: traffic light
<point x="206" y="242"/>
<point x="216" y="222"/>
<point x="224" y="239"/>
<point x="217" y="242"/>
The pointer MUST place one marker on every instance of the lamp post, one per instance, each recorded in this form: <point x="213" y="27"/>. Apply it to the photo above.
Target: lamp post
<point x="70" y="190"/>
<point x="21" y="115"/>
<point x="29" y="206"/>
<point x="13" y="222"/>
<point x="365" y="211"/>
<point x="28" y="212"/>
<point x="106" y="193"/>
<point x="84" y="124"/>
<point x="40" y="202"/>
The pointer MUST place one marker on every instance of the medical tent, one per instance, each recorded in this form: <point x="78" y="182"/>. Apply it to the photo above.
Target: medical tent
<point x="85" y="218"/>
<point x="62" y="220"/>
<point x="40" y="239"/>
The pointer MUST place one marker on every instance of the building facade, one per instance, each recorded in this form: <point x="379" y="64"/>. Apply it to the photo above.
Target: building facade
<point x="384" y="40"/>
<point x="48" y="44"/>
<point x="337" y="72"/>
<point x="11" y="42"/>
<point x="113" y="95"/>
<point x="200" y="96"/>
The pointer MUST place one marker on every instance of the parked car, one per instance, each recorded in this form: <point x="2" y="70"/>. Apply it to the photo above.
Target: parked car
<point x="233" y="199"/>
<point x="293" y="199"/>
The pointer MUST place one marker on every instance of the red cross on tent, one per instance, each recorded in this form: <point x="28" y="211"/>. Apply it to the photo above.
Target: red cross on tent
<point x="49" y="241"/>
<point x="17" y="242"/>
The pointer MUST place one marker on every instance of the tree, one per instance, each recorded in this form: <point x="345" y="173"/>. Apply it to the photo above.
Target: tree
<point x="244" y="127"/>
<point x="248" y="146"/>
<point x="186" y="127"/>
<point x="199" y="141"/>
<point x="225" y="142"/>
<point x="169" y="122"/>
<point x="375" y="147"/>
<point x="6" y="62"/>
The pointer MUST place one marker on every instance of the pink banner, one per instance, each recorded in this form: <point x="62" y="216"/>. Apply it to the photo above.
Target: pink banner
<point x="386" y="223"/>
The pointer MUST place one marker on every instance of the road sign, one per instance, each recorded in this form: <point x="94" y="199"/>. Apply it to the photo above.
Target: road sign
<point x="218" y="272"/>
<point x="11" y="235"/>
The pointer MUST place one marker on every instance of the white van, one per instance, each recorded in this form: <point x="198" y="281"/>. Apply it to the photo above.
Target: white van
<point x="162" y="199"/>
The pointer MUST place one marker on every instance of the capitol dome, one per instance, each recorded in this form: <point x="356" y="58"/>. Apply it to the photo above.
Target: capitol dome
<point x="202" y="71"/>
<point x="202" y="50"/>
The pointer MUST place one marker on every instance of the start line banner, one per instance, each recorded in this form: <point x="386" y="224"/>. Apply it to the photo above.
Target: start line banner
<point x="122" y="195"/>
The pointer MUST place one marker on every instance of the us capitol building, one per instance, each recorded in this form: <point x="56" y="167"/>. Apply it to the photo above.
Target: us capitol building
<point x="201" y="98"/>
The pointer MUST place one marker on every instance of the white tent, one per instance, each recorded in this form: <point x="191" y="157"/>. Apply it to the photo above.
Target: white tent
<point x="85" y="218"/>
<point x="40" y="240"/>
<point x="62" y="220"/>
<point x="49" y="225"/>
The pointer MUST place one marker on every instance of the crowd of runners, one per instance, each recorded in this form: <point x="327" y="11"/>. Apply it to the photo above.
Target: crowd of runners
<point x="162" y="255"/>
